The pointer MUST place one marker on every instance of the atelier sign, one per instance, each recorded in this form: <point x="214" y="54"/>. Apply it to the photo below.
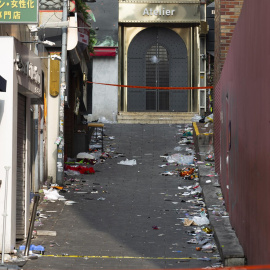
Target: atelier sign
<point x="142" y="12"/>
<point x="158" y="12"/>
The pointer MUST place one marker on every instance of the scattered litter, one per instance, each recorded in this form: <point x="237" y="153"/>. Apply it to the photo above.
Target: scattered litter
<point x="201" y="220"/>
<point x="163" y="165"/>
<point x="78" y="169"/>
<point x="196" y="118"/>
<point x="93" y="155"/>
<point x="104" y="120"/>
<point x="204" y="259"/>
<point x="208" y="181"/>
<point x="178" y="148"/>
<point x="70" y="202"/>
<point x="44" y="232"/>
<point x="40" y="249"/>
<point x="189" y="222"/>
<point x="180" y="159"/>
<point x="209" y="118"/>
<point x="128" y="162"/>
<point x="192" y="241"/>
<point x="101" y="199"/>
<point x="168" y="173"/>
<point x="52" y="194"/>
<point x="155" y="227"/>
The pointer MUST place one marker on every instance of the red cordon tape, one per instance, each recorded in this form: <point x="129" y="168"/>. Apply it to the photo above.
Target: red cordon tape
<point x="152" y="87"/>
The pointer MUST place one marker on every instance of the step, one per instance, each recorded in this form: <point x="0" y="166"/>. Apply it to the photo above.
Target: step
<point x="154" y="117"/>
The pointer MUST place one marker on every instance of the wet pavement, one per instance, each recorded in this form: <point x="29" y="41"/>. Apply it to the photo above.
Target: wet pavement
<point x="125" y="217"/>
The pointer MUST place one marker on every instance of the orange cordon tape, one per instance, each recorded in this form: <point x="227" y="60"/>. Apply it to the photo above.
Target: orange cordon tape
<point x="153" y="87"/>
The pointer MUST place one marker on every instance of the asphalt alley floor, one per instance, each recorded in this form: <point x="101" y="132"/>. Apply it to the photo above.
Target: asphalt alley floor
<point x="130" y="217"/>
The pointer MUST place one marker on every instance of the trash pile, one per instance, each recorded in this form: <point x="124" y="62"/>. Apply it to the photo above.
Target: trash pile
<point x="192" y="212"/>
<point x="184" y="156"/>
<point x="202" y="119"/>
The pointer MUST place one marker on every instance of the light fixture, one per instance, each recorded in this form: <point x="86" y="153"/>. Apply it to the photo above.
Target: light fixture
<point x="53" y="57"/>
<point x="56" y="57"/>
<point x="45" y="42"/>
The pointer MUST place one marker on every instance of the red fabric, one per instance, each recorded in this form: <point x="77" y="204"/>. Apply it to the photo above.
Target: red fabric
<point x="81" y="169"/>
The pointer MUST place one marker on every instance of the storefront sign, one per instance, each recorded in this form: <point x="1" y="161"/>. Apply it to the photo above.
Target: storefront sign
<point x="158" y="12"/>
<point x="130" y="12"/>
<point x="18" y="11"/>
<point x="83" y="31"/>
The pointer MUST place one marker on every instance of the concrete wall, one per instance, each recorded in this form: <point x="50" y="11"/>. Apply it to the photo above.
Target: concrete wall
<point x="8" y="141"/>
<point x="243" y="94"/>
<point x="105" y="98"/>
<point x="16" y="81"/>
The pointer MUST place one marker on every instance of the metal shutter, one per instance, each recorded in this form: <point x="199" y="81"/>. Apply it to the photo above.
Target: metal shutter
<point x="21" y="139"/>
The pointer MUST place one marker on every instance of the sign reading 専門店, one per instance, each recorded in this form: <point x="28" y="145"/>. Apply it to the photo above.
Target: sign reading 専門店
<point x="18" y="11"/>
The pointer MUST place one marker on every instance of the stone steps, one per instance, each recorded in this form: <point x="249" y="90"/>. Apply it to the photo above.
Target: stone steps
<point x="154" y="117"/>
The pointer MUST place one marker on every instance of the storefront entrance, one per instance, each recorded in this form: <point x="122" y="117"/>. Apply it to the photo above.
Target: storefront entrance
<point x="157" y="57"/>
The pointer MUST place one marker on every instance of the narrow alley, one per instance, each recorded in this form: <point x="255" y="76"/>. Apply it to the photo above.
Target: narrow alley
<point x="125" y="217"/>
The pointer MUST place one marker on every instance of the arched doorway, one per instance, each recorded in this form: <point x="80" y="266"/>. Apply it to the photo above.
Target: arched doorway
<point x="157" y="57"/>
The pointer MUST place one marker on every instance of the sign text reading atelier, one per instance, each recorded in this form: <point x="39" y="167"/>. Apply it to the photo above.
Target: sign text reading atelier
<point x="158" y="12"/>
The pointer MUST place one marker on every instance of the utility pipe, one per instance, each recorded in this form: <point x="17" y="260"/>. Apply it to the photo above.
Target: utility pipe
<point x="60" y="146"/>
<point x="4" y="215"/>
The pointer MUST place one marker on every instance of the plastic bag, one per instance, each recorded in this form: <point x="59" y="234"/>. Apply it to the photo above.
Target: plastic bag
<point x="202" y="220"/>
<point x="196" y="118"/>
<point x="128" y="162"/>
<point x="84" y="155"/>
<point x="178" y="148"/>
<point x="52" y="194"/>
<point x="180" y="159"/>
<point x="209" y="118"/>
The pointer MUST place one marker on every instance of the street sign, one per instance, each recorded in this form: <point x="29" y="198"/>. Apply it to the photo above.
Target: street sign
<point x="18" y="11"/>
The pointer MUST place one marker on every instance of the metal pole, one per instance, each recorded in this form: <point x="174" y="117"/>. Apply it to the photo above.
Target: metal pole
<point x="36" y="152"/>
<point x="41" y="146"/>
<point x="60" y="147"/>
<point x="31" y="226"/>
<point x="5" y="215"/>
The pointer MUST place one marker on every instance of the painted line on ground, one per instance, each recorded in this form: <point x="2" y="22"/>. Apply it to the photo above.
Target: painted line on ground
<point x="125" y="257"/>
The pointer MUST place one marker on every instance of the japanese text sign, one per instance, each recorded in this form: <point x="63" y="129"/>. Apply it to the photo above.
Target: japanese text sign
<point x="18" y="11"/>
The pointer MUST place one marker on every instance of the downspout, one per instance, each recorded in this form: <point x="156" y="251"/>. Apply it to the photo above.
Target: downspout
<point x="36" y="152"/>
<point x="41" y="145"/>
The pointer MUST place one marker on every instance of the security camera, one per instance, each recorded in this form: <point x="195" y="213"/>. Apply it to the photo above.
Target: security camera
<point x="47" y="42"/>
<point x="203" y="56"/>
<point x="33" y="28"/>
<point x="56" y="57"/>
<point x="18" y="62"/>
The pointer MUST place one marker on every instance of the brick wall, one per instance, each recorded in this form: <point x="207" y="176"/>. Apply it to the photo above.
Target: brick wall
<point x="226" y="16"/>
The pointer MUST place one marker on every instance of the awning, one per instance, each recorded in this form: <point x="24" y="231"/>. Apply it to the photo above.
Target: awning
<point x="104" y="51"/>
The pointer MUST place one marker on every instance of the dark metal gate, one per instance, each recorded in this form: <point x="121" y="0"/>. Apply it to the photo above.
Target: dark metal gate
<point x="157" y="57"/>
<point x="21" y="140"/>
